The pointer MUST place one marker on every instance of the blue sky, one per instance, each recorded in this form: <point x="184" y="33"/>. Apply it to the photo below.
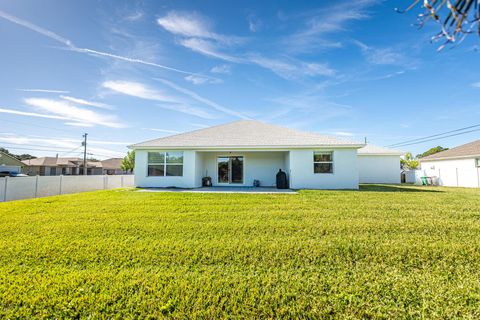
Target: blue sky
<point x="127" y="71"/>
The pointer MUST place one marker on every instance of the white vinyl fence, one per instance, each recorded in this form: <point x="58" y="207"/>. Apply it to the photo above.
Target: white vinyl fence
<point x="44" y="186"/>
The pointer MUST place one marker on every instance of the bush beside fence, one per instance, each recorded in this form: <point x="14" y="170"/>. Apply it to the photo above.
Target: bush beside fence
<point x="44" y="186"/>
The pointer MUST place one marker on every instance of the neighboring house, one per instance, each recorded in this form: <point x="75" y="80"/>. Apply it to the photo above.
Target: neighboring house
<point x="9" y="163"/>
<point x="237" y="153"/>
<point x="55" y="166"/>
<point x="112" y="166"/>
<point x="51" y="166"/>
<point x="457" y="167"/>
<point x="379" y="165"/>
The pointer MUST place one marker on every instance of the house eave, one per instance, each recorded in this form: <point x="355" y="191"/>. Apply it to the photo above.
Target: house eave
<point x="380" y="154"/>
<point x="472" y="156"/>
<point x="222" y="148"/>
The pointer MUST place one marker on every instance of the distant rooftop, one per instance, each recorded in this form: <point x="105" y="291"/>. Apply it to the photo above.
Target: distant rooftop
<point x="471" y="149"/>
<point x="246" y="134"/>
<point x="113" y="163"/>
<point x="371" y="149"/>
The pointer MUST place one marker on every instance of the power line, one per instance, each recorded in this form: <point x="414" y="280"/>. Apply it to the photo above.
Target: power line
<point x="36" y="125"/>
<point x="102" y="155"/>
<point x="65" y="153"/>
<point x="33" y="145"/>
<point x="452" y="135"/>
<point x="435" y="135"/>
<point x="65" y="149"/>
<point x="56" y="129"/>
<point x="20" y="148"/>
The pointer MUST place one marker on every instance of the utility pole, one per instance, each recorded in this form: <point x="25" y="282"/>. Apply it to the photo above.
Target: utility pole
<point x="84" y="143"/>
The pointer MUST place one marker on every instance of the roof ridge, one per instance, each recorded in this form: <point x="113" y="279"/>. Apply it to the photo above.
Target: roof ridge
<point x="246" y="132"/>
<point x="197" y="130"/>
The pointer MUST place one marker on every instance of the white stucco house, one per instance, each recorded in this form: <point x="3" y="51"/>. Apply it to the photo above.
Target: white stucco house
<point x="237" y="153"/>
<point x="378" y="164"/>
<point x="456" y="167"/>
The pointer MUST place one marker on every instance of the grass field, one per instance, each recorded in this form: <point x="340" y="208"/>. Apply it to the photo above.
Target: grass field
<point x="381" y="252"/>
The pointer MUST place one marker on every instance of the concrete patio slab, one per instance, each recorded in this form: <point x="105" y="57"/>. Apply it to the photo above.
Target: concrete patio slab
<point x="259" y="190"/>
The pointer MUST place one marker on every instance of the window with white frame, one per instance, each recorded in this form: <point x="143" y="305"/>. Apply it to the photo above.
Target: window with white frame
<point x="323" y="162"/>
<point x="477" y="162"/>
<point x="165" y="164"/>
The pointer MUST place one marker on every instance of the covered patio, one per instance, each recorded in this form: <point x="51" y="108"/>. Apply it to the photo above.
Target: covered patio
<point x="235" y="169"/>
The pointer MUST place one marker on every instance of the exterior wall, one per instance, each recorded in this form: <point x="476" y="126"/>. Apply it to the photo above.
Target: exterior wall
<point x="32" y="171"/>
<point x="413" y="176"/>
<point x="453" y="173"/>
<point x="258" y="165"/>
<point x="200" y="169"/>
<point x="344" y="176"/>
<point x="188" y="180"/>
<point x="379" y="168"/>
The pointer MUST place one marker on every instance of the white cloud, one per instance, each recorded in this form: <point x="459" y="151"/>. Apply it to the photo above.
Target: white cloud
<point x="127" y="59"/>
<point x="187" y="109"/>
<point x="43" y="90"/>
<point x="36" y="28"/>
<point x="79" y="124"/>
<point x="31" y="114"/>
<point x="223" y="69"/>
<point x="87" y="103"/>
<point x="203" y="100"/>
<point x="384" y="56"/>
<point x="476" y="84"/>
<point x="193" y="25"/>
<point x="196" y="80"/>
<point x="292" y="69"/>
<point x="254" y="23"/>
<point x="287" y="69"/>
<point x="208" y="48"/>
<point x="201" y="80"/>
<point x="197" y="36"/>
<point x="321" y="23"/>
<point x="139" y="90"/>
<point x="70" y="46"/>
<point x="161" y="130"/>
<point x="135" y="16"/>
<point x="73" y="113"/>
<point x="64" y="144"/>
<point x="342" y="133"/>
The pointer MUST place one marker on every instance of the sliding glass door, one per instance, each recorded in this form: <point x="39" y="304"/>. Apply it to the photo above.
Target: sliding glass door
<point x="230" y="169"/>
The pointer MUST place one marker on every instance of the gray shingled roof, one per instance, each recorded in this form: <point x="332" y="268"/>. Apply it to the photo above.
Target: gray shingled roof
<point x="464" y="151"/>
<point x="61" y="162"/>
<point x="50" y="161"/>
<point x="245" y="133"/>
<point x="371" y="149"/>
<point x="112" y="163"/>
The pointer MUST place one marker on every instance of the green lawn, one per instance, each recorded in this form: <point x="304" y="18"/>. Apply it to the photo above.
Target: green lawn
<point x="381" y="252"/>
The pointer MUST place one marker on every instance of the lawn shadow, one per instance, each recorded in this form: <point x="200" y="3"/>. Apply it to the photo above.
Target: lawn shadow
<point x="394" y="188"/>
